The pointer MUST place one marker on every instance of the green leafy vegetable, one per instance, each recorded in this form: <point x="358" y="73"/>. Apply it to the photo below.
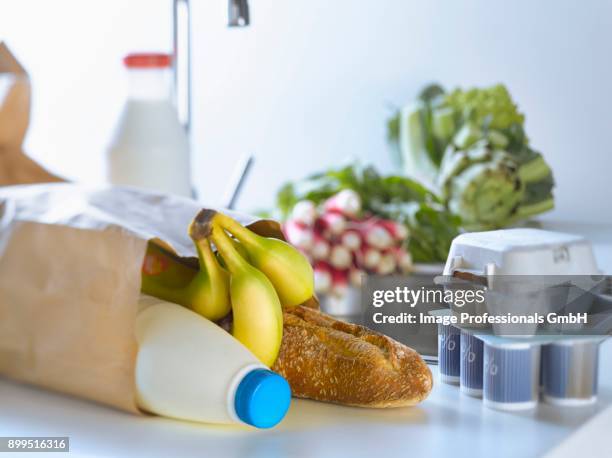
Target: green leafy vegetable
<point x="491" y="107"/>
<point x="469" y="146"/>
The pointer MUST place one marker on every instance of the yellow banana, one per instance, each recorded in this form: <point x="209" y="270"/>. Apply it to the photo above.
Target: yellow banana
<point x="256" y="309"/>
<point x="287" y="268"/>
<point x="239" y="248"/>
<point x="169" y="278"/>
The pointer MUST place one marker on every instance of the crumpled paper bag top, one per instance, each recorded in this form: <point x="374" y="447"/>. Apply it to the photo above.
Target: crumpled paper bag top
<point x="142" y="214"/>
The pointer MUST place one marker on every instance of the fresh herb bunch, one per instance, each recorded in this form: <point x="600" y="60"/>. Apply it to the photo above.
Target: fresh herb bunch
<point x="470" y="146"/>
<point x="432" y="227"/>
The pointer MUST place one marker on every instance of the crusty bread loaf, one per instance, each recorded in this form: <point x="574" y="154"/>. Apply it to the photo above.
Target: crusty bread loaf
<point x="329" y="360"/>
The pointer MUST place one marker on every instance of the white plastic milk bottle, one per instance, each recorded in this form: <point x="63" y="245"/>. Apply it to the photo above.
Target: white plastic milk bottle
<point x="191" y="369"/>
<point x="149" y="148"/>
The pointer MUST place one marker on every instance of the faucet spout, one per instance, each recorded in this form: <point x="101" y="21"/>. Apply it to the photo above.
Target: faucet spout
<point x="238" y="13"/>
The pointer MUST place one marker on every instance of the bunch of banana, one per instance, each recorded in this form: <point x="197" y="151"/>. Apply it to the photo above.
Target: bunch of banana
<point x="250" y="274"/>
<point x="205" y="291"/>
<point x="287" y="268"/>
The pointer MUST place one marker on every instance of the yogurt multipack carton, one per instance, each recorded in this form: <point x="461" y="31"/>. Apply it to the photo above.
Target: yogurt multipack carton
<point x="522" y="271"/>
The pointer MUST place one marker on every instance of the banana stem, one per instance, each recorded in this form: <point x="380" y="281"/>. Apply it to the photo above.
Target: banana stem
<point x="205" y="256"/>
<point x="232" y="258"/>
<point x="235" y="228"/>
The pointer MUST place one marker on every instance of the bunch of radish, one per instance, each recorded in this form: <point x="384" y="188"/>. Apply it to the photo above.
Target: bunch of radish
<point x="342" y="245"/>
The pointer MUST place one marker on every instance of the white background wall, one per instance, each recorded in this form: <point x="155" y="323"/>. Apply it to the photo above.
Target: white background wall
<point x="310" y="82"/>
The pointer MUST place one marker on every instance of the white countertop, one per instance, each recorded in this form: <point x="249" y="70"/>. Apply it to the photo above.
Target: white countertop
<point x="446" y="424"/>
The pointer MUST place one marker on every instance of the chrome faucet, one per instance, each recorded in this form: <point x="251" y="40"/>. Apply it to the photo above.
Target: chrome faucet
<point x="238" y="16"/>
<point x="238" y="13"/>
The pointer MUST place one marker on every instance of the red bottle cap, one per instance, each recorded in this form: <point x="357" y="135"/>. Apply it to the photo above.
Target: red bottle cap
<point x="147" y="60"/>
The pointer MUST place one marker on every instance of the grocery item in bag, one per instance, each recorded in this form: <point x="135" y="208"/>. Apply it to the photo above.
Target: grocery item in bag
<point x="70" y="276"/>
<point x="189" y="368"/>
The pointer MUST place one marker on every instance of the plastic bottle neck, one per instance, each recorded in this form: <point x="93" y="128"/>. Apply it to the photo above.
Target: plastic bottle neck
<point x="149" y="84"/>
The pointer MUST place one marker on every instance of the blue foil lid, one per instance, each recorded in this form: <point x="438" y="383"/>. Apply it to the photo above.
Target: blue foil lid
<point x="262" y="398"/>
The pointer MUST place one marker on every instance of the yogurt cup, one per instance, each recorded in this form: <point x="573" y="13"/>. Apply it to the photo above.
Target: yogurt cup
<point x="449" y="353"/>
<point x="570" y="372"/>
<point x="472" y="349"/>
<point x="511" y="376"/>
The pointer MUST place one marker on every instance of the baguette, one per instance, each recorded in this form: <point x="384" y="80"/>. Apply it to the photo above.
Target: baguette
<point x="328" y="360"/>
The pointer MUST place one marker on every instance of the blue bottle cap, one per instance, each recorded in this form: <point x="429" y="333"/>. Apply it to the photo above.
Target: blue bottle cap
<point x="262" y="398"/>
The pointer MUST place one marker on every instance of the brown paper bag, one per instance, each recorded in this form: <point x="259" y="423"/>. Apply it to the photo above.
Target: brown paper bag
<point x="70" y="265"/>
<point x="15" y="166"/>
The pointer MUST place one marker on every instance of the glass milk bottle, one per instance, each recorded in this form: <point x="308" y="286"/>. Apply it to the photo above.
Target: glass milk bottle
<point x="150" y="148"/>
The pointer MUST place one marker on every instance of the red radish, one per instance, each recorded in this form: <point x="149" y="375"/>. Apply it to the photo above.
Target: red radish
<point x="320" y="248"/>
<point x="351" y="239"/>
<point x="333" y="223"/>
<point x="322" y="277"/>
<point x="339" y="282"/>
<point x="346" y="202"/>
<point x="304" y="212"/>
<point x="404" y="260"/>
<point x="369" y="257"/>
<point x="340" y="257"/>
<point x="397" y="230"/>
<point x="298" y="234"/>
<point x="377" y="236"/>
<point x="356" y="276"/>
<point x="387" y="264"/>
